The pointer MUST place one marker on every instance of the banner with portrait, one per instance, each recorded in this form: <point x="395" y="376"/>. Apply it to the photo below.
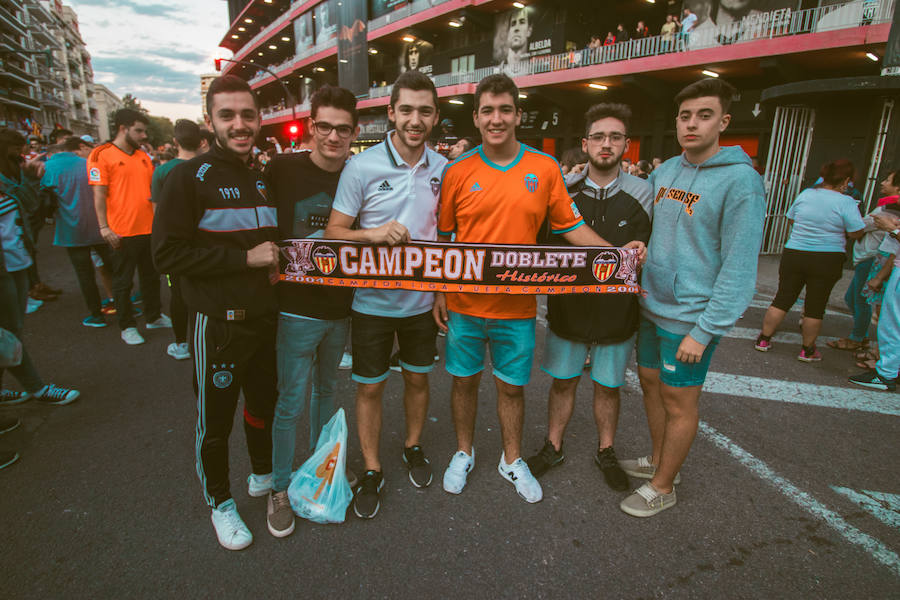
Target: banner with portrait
<point x="326" y="21"/>
<point x="303" y="33"/>
<point x="352" y="47"/>
<point x="520" y="34"/>
<point x="416" y="56"/>
<point x="453" y="267"/>
<point x="379" y="8"/>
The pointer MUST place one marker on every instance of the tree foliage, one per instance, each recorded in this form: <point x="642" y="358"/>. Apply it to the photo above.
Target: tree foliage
<point x="160" y="129"/>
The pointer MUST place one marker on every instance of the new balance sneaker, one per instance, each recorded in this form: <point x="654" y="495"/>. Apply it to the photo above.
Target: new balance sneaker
<point x="419" y="466"/>
<point x="367" y="499"/>
<point x="643" y="468"/>
<point x="763" y="345"/>
<point x="809" y="355"/>
<point x="279" y="514"/>
<point x="9" y="397"/>
<point x="131" y="336"/>
<point x="518" y="474"/>
<point x="93" y="321"/>
<point x="613" y="474"/>
<point x="8" y="424"/>
<point x="461" y="464"/>
<point x="646" y="501"/>
<point x="56" y="395"/>
<point x="872" y="380"/>
<point x="178" y="351"/>
<point x="161" y="322"/>
<point x="259" y="485"/>
<point x="8" y="457"/>
<point x="346" y="361"/>
<point x="547" y="458"/>
<point x="230" y="528"/>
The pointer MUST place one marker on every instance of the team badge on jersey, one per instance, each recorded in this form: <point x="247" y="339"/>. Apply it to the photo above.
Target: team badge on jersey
<point x="94" y="174"/>
<point x="435" y="185"/>
<point x="604" y="266"/>
<point x="531" y="182"/>
<point x="325" y="259"/>
<point x="261" y="188"/>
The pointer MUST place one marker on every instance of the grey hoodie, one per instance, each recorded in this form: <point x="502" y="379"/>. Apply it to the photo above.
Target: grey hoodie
<point x="707" y="231"/>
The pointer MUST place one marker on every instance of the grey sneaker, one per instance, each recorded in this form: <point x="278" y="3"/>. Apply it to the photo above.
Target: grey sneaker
<point x="279" y="514"/>
<point x="642" y="468"/>
<point x="259" y="485"/>
<point x="646" y="501"/>
<point x="161" y="322"/>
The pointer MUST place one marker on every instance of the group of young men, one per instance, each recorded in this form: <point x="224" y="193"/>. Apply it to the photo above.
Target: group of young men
<point x="218" y="221"/>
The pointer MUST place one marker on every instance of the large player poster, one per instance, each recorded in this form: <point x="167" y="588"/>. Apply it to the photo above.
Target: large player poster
<point x="520" y="34"/>
<point x="303" y="32"/>
<point x="353" y="55"/>
<point x="416" y="56"/>
<point x="326" y="21"/>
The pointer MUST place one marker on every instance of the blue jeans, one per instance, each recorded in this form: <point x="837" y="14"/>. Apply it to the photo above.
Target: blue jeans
<point x="862" y="310"/>
<point x="305" y="347"/>
<point x="13" y="296"/>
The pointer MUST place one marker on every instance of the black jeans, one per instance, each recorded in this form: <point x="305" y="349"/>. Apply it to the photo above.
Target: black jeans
<point x="231" y="357"/>
<point x="13" y="295"/>
<point x="177" y="310"/>
<point x="134" y="253"/>
<point x="80" y="256"/>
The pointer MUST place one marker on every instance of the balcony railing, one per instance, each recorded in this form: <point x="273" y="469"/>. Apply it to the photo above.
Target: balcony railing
<point x="401" y="13"/>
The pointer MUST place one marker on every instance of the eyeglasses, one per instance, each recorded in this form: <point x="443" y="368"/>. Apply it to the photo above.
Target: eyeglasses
<point x="615" y="138"/>
<point x="325" y="129"/>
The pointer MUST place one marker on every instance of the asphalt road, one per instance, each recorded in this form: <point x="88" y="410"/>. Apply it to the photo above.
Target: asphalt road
<point x="105" y="502"/>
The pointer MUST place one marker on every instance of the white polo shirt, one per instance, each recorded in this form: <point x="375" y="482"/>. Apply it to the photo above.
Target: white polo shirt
<point x="378" y="186"/>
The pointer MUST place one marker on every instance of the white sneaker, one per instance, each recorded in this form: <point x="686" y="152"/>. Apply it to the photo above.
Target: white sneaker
<point x="230" y="528"/>
<point x="161" y="322"/>
<point x="457" y="471"/>
<point x="178" y="351"/>
<point x="131" y="336"/>
<point x="520" y="476"/>
<point x="346" y="361"/>
<point x="259" y="485"/>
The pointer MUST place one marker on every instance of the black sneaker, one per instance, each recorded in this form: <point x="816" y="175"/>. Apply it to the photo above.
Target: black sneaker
<point x="544" y="460"/>
<point x="613" y="474"/>
<point x="419" y="466"/>
<point x="8" y="424"/>
<point x="367" y="499"/>
<point x="872" y="380"/>
<point x="7" y="457"/>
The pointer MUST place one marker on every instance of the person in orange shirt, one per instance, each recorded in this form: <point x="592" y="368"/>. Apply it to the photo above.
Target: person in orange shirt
<point x="121" y="173"/>
<point x="499" y="193"/>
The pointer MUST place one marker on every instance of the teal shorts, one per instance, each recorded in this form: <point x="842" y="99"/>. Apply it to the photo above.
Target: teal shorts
<point x="564" y="359"/>
<point x="511" y="342"/>
<point x="656" y="349"/>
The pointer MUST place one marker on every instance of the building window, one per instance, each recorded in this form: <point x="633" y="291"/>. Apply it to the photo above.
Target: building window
<point x="462" y="64"/>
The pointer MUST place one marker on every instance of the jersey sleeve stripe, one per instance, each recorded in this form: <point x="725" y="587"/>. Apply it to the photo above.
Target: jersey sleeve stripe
<point x="568" y="229"/>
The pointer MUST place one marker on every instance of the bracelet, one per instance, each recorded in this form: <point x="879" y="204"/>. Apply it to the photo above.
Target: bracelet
<point x="104" y="227"/>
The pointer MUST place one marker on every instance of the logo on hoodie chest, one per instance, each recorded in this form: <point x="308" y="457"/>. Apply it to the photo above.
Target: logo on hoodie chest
<point x="686" y="198"/>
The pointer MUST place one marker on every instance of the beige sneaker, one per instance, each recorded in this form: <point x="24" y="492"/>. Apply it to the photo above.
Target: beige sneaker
<point x="643" y="468"/>
<point x="646" y="501"/>
<point x="279" y="514"/>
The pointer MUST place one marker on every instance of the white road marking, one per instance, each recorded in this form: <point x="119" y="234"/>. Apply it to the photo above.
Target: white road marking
<point x="806" y="501"/>
<point x="885" y="507"/>
<point x="793" y="392"/>
<point x="783" y="337"/>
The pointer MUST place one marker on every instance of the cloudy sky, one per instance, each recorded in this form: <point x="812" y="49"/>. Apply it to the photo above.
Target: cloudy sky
<point x="154" y="49"/>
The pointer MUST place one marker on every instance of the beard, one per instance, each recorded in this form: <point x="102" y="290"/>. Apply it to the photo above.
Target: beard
<point x="605" y="164"/>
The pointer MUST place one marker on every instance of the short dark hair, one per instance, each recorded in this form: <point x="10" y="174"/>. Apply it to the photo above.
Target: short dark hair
<point x="498" y="83"/>
<point x="73" y="144"/>
<point x="187" y="134"/>
<point x="837" y="171"/>
<point x="415" y="81"/>
<point x="722" y="90"/>
<point x="126" y="117"/>
<point x="573" y="156"/>
<point x="56" y="133"/>
<point x="335" y="97"/>
<point x="209" y="136"/>
<point x="470" y="143"/>
<point x="227" y="83"/>
<point x="605" y="110"/>
<point x="894" y="175"/>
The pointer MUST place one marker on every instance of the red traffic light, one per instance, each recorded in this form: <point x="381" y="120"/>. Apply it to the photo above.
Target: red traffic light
<point x="294" y="129"/>
<point x="218" y="62"/>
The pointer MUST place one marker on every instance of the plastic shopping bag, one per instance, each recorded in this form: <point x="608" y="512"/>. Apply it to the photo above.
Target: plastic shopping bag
<point x="319" y="490"/>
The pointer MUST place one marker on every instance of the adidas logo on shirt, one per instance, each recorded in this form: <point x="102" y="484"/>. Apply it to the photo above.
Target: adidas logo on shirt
<point x="475" y="187"/>
<point x="385" y="187"/>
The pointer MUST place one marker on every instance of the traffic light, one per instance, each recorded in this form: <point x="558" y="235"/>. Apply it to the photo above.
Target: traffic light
<point x="294" y="132"/>
<point x="218" y="62"/>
